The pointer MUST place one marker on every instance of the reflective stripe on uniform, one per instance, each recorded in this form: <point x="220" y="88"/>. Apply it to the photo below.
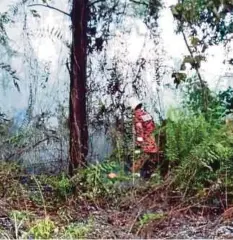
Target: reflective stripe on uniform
<point x="146" y="118"/>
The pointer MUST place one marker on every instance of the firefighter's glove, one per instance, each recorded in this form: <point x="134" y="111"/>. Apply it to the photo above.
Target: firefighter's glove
<point x="137" y="151"/>
<point x="139" y="139"/>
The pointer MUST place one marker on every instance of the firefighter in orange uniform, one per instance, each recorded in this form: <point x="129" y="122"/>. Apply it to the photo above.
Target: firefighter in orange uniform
<point x="146" y="149"/>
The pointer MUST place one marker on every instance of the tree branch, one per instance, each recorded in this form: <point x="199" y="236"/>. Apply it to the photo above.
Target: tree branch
<point x="94" y="2"/>
<point x="19" y="152"/>
<point x="51" y="7"/>
<point x="197" y="71"/>
<point x="191" y="54"/>
<point x="139" y="2"/>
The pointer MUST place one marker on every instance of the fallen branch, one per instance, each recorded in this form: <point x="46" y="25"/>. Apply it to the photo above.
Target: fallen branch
<point x="135" y="220"/>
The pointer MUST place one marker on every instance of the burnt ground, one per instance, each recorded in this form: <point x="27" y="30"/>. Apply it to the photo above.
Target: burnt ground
<point x="140" y="212"/>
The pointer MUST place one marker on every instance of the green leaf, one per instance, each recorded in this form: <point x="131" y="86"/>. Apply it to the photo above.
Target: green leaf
<point x="195" y="41"/>
<point x="35" y="13"/>
<point x="179" y="77"/>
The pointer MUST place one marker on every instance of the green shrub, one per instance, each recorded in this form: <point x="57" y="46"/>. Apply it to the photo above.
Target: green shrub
<point x="61" y="184"/>
<point x="20" y="219"/>
<point x="149" y="217"/>
<point x="42" y="229"/>
<point x="195" y="148"/>
<point x="78" y="230"/>
<point x="9" y="184"/>
<point x="94" y="181"/>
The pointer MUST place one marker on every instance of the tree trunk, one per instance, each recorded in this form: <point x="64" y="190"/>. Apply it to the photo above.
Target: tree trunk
<point x="78" y="117"/>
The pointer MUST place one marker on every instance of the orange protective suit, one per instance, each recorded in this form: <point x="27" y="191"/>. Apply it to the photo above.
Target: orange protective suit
<point x="144" y="127"/>
<point x="145" y="141"/>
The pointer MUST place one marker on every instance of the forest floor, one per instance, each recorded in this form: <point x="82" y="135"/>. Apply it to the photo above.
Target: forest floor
<point x="156" y="214"/>
<point x="141" y="211"/>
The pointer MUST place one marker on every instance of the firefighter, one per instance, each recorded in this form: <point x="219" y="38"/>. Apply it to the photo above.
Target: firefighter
<point x="146" y="149"/>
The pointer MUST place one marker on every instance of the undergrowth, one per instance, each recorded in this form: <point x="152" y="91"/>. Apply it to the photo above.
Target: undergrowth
<point x="95" y="183"/>
<point x="200" y="153"/>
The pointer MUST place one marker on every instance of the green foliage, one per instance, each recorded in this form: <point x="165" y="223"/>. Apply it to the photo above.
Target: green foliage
<point x="179" y="77"/>
<point x="35" y="196"/>
<point x="195" y="62"/>
<point x="149" y="217"/>
<point x="94" y="178"/>
<point x="5" y="126"/>
<point x="9" y="185"/>
<point x="156" y="178"/>
<point x="42" y="229"/>
<point x="15" y="214"/>
<point x="94" y="181"/>
<point x="64" y="186"/>
<point x="10" y="139"/>
<point x="20" y="220"/>
<point x="140" y="10"/>
<point x="207" y="15"/>
<point x="61" y="184"/>
<point x="226" y="99"/>
<point x="183" y="132"/>
<point x="186" y="11"/>
<point x="194" y="102"/>
<point x="195" y="147"/>
<point x="78" y="230"/>
<point x="202" y="23"/>
<point x="147" y="8"/>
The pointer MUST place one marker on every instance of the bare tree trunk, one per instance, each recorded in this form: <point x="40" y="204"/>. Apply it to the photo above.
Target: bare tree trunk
<point x="78" y="115"/>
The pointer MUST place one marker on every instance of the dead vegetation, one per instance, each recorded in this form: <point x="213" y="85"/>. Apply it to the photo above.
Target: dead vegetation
<point x="46" y="207"/>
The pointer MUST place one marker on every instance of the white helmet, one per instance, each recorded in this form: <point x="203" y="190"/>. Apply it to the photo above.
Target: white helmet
<point x="134" y="102"/>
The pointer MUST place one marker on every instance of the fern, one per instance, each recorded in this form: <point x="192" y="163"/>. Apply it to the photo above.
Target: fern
<point x="52" y="33"/>
<point x="197" y="146"/>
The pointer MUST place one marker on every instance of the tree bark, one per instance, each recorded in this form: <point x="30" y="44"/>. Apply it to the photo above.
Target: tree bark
<point x="78" y="116"/>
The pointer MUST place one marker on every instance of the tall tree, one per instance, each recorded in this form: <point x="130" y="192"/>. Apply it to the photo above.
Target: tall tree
<point x="92" y="26"/>
<point x="78" y="120"/>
